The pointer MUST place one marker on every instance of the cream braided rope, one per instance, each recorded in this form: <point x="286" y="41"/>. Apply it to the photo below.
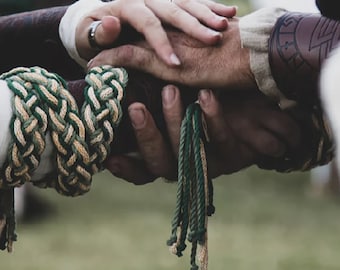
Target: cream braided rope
<point x="81" y="138"/>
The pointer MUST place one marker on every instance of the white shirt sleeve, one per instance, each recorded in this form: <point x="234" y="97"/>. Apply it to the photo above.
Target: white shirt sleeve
<point x="47" y="162"/>
<point x="330" y="97"/>
<point x="255" y="29"/>
<point x="69" y="23"/>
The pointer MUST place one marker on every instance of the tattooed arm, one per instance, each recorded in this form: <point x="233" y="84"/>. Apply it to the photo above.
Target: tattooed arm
<point x="298" y="46"/>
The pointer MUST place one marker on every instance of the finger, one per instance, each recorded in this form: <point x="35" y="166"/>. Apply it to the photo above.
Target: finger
<point x="108" y="31"/>
<point x="153" y="148"/>
<point x="225" y="153"/>
<point x="219" y="131"/>
<point x="234" y="161"/>
<point x="130" y="169"/>
<point x="219" y="8"/>
<point x="150" y="26"/>
<point x="173" y="115"/>
<point x="203" y="11"/>
<point x="138" y="58"/>
<point x="180" y="18"/>
<point x="265" y="143"/>
<point x="282" y="126"/>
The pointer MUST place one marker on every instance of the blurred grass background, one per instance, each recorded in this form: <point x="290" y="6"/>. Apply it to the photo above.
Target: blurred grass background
<point x="264" y="220"/>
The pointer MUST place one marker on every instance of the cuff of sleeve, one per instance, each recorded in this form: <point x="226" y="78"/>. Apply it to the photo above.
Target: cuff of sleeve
<point x="255" y="30"/>
<point x="69" y="23"/>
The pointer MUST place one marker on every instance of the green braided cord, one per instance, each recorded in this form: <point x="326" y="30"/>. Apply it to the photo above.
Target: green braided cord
<point x="42" y="104"/>
<point x="28" y="127"/>
<point x="201" y="203"/>
<point x="76" y="146"/>
<point x="102" y="111"/>
<point x="187" y="175"/>
<point x="194" y="190"/>
<point x="180" y="186"/>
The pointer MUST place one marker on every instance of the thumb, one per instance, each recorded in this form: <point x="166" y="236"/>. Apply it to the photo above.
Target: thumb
<point x="108" y="31"/>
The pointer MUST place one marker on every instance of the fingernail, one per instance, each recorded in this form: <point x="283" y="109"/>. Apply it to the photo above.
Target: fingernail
<point x="214" y="33"/>
<point x="168" y="95"/>
<point x="204" y="96"/>
<point x="137" y="117"/>
<point x="222" y="19"/>
<point x="175" y="60"/>
<point x="236" y="8"/>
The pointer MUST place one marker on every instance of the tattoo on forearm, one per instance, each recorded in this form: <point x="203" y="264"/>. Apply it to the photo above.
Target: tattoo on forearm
<point x="297" y="47"/>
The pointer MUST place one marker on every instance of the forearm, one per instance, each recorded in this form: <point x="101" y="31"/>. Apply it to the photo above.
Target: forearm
<point x="290" y="75"/>
<point x="32" y="38"/>
<point x="298" y="46"/>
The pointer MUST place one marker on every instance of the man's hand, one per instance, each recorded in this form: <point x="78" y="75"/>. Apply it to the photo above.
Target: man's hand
<point x="242" y="130"/>
<point x="225" y="65"/>
<point x="203" y="20"/>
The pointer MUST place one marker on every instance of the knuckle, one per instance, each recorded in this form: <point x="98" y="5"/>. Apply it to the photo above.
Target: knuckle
<point x="127" y="52"/>
<point x="151" y="22"/>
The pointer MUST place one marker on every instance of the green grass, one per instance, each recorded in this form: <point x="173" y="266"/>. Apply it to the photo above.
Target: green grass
<point x="264" y="221"/>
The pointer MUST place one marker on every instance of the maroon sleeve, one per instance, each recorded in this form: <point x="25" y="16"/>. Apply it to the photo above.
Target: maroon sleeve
<point x="32" y="39"/>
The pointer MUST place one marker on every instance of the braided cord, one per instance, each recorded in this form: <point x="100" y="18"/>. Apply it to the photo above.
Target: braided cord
<point x="194" y="191"/>
<point x="82" y="139"/>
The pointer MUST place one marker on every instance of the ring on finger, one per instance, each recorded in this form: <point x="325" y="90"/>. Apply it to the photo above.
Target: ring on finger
<point x="92" y="35"/>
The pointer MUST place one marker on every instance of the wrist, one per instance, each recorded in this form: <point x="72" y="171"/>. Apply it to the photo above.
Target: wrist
<point x="254" y="37"/>
<point x="73" y="30"/>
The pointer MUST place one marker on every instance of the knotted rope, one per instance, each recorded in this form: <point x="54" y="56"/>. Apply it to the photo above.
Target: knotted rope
<point x="82" y="139"/>
<point x="194" y="191"/>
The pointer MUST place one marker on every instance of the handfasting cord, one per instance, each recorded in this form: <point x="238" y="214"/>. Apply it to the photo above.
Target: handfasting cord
<point x="82" y="139"/>
<point x="194" y="191"/>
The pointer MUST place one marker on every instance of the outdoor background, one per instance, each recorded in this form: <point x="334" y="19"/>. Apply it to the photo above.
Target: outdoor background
<point x="263" y="221"/>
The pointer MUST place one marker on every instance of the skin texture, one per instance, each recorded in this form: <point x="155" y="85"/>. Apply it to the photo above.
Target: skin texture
<point x="253" y="131"/>
<point x="248" y="126"/>
<point x="225" y="65"/>
<point x="202" y="19"/>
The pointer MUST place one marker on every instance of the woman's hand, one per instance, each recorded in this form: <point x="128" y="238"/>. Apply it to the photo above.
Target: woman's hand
<point x="200" y="19"/>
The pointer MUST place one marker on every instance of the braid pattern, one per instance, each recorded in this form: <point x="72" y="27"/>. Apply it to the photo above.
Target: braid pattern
<point x="41" y="105"/>
<point x="82" y="141"/>
<point x="102" y="111"/>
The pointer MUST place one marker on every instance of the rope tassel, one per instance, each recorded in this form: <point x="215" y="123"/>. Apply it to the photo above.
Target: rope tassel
<point x="194" y="191"/>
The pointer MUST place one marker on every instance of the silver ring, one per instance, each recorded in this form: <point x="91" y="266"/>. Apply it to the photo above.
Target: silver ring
<point x="92" y="35"/>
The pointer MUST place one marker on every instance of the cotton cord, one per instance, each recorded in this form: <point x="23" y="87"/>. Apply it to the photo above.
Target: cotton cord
<point x="194" y="191"/>
<point x="81" y="138"/>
